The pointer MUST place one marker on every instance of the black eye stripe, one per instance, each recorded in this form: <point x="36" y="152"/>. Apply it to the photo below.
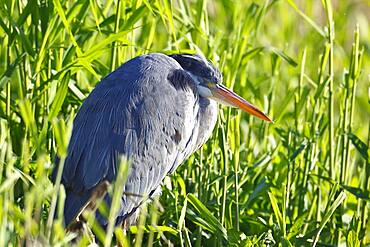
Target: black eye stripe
<point x="198" y="66"/>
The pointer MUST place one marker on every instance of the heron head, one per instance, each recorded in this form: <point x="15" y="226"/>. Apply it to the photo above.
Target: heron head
<point x="209" y="84"/>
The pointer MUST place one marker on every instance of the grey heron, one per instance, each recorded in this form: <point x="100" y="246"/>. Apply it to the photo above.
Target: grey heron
<point x="156" y="110"/>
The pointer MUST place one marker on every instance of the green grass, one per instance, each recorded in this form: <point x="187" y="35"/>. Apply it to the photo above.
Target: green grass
<point x="303" y="180"/>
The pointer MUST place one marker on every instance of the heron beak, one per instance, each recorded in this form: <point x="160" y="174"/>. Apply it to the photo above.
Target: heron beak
<point x="226" y="96"/>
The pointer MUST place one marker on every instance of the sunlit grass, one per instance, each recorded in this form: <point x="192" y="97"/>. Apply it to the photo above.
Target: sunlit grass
<point x="303" y="180"/>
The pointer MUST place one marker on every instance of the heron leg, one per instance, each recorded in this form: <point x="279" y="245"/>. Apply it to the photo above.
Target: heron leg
<point x="97" y="195"/>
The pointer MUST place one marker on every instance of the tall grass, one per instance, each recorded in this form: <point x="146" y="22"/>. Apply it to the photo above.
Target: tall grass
<point x="303" y="180"/>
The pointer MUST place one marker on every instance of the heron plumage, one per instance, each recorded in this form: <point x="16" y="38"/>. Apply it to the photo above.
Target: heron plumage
<point x="147" y="110"/>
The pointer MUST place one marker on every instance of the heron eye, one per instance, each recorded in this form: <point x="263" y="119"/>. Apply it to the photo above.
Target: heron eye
<point x="211" y="85"/>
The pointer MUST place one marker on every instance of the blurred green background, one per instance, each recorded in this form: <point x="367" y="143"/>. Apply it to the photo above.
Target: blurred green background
<point x="303" y="180"/>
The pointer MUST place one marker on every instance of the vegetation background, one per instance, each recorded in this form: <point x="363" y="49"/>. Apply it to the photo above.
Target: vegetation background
<point x="303" y="180"/>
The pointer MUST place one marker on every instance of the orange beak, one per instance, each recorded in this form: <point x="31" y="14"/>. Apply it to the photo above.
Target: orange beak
<point x="226" y="96"/>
